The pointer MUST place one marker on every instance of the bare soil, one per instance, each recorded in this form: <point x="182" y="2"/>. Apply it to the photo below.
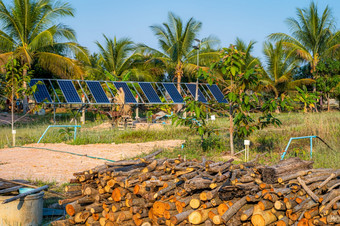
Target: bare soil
<point x="48" y="166"/>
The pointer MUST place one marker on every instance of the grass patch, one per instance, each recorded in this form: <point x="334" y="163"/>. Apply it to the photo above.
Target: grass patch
<point x="271" y="140"/>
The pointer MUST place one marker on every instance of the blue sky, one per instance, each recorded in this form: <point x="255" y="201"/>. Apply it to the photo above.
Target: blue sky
<point x="225" y="19"/>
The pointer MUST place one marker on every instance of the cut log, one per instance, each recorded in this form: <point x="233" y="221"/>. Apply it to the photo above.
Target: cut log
<point x="199" y="216"/>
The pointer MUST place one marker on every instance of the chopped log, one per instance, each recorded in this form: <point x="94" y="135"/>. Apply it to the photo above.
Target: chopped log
<point x="261" y="217"/>
<point x="86" y="200"/>
<point x="178" y="218"/>
<point x="233" y="209"/>
<point x="65" y="201"/>
<point x="309" y="192"/>
<point x="333" y="219"/>
<point x="22" y="195"/>
<point x="247" y="214"/>
<point x="199" y="216"/>
<point x="73" y="208"/>
<point x="8" y="190"/>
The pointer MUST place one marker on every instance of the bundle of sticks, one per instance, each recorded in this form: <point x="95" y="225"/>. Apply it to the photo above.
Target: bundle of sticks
<point x="176" y="191"/>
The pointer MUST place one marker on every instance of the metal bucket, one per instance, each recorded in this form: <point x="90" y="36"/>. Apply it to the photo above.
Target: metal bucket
<point x="24" y="211"/>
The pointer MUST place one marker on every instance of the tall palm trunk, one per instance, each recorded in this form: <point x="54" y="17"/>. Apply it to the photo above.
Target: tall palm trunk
<point x="179" y="74"/>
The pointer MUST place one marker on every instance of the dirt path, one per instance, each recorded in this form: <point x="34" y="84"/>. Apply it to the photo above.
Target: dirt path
<point x="48" y="166"/>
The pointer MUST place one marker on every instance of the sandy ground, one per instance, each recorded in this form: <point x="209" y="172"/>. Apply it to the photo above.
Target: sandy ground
<point x="48" y="166"/>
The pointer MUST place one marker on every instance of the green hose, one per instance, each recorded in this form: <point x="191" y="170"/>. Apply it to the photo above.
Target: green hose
<point x="67" y="152"/>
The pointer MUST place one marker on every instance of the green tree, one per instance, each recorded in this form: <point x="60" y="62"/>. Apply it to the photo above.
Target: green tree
<point x="307" y="98"/>
<point x="14" y="87"/>
<point x="328" y="81"/>
<point x="313" y="35"/>
<point x="250" y="61"/>
<point x="116" y="56"/>
<point x="280" y="66"/>
<point x="239" y="86"/>
<point x="32" y="33"/>
<point x="176" y="40"/>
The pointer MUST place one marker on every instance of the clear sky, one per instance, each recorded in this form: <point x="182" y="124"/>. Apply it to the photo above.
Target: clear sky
<point x="226" y="19"/>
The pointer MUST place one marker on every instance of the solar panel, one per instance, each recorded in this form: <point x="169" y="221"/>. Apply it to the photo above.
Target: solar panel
<point x="216" y="92"/>
<point x="69" y="91"/>
<point x="192" y="89"/>
<point x="97" y="92"/>
<point x="173" y="92"/>
<point x="41" y="94"/>
<point x="129" y="98"/>
<point x="149" y="92"/>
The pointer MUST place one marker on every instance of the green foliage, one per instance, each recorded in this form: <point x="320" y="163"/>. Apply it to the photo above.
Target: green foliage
<point x="307" y="98"/>
<point x="66" y="133"/>
<point x="240" y="84"/>
<point x="15" y="82"/>
<point x="31" y="31"/>
<point x="197" y="118"/>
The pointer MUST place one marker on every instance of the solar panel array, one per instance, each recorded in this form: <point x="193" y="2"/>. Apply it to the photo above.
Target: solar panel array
<point x="173" y="92"/>
<point x="97" y="92"/>
<point x="147" y="89"/>
<point x="150" y="92"/>
<point x="192" y="88"/>
<point x="69" y="91"/>
<point x="41" y="94"/>
<point x="216" y="92"/>
<point x="129" y="98"/>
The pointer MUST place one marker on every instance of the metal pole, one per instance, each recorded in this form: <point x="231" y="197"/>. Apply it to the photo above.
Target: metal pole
<point x="198" y="58"/>
<point x="54" y="109"/>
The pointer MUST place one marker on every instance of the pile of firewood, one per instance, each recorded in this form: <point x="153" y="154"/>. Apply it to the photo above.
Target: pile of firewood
<point x="180" y="192"/>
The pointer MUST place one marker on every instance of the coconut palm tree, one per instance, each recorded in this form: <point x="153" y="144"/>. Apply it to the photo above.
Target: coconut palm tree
<point x="31" y="32"/>
<point x="312" y="36"/>
<point x="116" y="56"/>
<point x="281" y="64"/>
<point x="176" y="40"/>
<point x="250" y="60"/>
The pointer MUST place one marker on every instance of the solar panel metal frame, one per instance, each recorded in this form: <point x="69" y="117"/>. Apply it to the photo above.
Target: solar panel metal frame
<point x="150" y="92"/>
<point x="41" y="93"/>
<point x="127" y="92"/>
<point x="217" y="95"/>
<point x="73" y="89"/>
<point x="201" y="97"/>
<point x="97" y="92"/>
<point x="170" y="92"/>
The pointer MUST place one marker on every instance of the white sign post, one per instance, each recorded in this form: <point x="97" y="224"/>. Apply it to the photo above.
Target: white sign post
<point x="246" y="152"/>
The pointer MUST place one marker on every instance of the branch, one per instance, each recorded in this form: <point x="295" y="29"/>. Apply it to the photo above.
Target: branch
<point x="23" y="115"/>
<point x="1" y="120"/>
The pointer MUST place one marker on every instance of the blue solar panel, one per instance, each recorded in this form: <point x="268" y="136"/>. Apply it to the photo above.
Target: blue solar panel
<point x="97" y="92"/>
<point x="217" y="93"/>
<point x="173" y="92"/>
<point x="69" y="91"/>
<point x="129" y="98"/>
<point x="150" y="93"/>
<point x="41" y="94"/>
<point x="192" y="89"/>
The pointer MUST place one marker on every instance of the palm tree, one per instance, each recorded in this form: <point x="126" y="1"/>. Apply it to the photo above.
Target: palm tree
<point x="116" y="56"/>
<point x="176" y="40"/>
<point x="31" y="32"/>
<point x="250" y="60"/>
<point x="313" y="35"/>
<point x="281" y="64"/>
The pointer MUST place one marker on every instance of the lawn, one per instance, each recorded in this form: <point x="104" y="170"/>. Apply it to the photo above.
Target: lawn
<point x="271" y="141"/>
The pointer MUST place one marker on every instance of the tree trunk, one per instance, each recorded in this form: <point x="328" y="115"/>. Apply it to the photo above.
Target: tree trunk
<point x="179" y="74"/>
<point x="231" y="130"/>
<point x="328" y="105"/>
